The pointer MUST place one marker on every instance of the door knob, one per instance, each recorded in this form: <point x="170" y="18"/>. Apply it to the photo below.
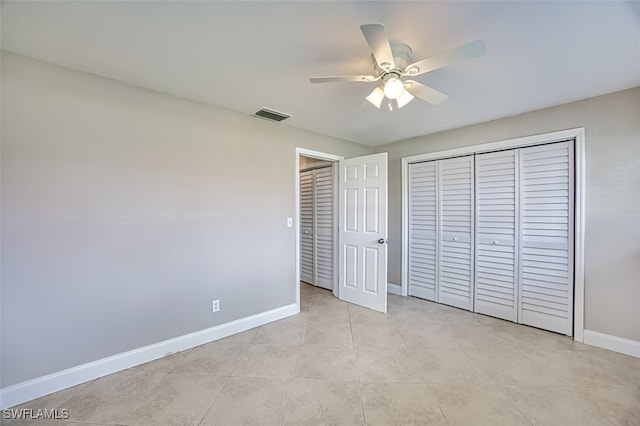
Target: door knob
<point x="455" y="238"/>
<point x="382" y="241"/>
<point x="495" y="242"/>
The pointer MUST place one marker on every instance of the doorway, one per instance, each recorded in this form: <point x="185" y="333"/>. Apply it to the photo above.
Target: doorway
<point x="306" y="236"/>
<point x="317" y="222"/>
<point x="360" y="211"/>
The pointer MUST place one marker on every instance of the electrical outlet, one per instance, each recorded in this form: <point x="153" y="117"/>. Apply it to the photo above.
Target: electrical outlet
<point x="215" y="305"/>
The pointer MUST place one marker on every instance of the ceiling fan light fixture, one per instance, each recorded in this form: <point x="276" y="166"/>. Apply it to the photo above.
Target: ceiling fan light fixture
<point x="376" y="97"/>
<point x="391" y="64"/>
<point x="404" y="98"/>
<point x="393" y="87"/>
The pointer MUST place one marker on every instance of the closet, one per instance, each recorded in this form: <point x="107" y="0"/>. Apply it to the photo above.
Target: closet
<point x="493" y="233"/>
<point x="316" y="225"/>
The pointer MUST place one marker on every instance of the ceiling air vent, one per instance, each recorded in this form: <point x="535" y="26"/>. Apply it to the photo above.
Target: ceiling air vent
<point x="271" y="115"/>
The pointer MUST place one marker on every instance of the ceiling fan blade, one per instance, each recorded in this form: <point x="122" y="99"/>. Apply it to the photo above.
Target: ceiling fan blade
<point x="378" y="41"/>
<point x="425" y="93"/>
<point x="345" y="78"/>
<point x="471" y="50"/>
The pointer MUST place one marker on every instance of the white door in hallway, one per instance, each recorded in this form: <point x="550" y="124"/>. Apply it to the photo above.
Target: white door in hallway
<point x="362" y="266"/>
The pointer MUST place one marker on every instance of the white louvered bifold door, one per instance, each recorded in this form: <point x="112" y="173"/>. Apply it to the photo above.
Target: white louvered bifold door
<point x="456" y="219"/>
<point x="496" y="234"/>
<point x="546" y="223"/>
<point x="324" y="227"/>
<point x="307" y="255"/>
<point x="422" y="276"/>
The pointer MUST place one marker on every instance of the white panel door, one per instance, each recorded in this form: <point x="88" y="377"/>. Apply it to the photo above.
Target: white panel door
<point x="456" y="219"/>
<point x="363" y="231"/>
<point x="423" y="211"/>
<point x="546" y="223"/>
<point x="324" y="230"/>
<point x="307" y="254"/>
<point x="497" y="234"/>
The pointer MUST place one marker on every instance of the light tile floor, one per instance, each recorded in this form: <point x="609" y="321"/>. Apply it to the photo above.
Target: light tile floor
<point x="340" y="364"/>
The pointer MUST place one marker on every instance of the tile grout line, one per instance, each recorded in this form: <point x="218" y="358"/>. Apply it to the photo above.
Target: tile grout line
<point x="504" y="393"/>
<point x="140" y="398"/>
<point x="589" y="403"/>
<point x="436" y="401"/>
<point x="233" y="370"/>
<point x="295" y="371"/>
<point x="227" y="378"/>
<point x="355" y="358"/>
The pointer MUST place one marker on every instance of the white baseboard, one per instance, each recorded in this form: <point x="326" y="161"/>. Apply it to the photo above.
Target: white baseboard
<point x="394" y="289"/>
<point x="613" y="343"/>
<point x="40" y="386"/>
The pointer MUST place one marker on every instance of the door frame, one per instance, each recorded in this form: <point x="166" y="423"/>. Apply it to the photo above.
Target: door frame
<point x="578" y="134"/>
<point x="303" y="152"/>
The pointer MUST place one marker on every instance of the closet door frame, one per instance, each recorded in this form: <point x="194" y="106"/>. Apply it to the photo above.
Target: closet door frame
<point x="314" y="167"/>
<point x="303" y="152"/>
<point x="578" y="135"/>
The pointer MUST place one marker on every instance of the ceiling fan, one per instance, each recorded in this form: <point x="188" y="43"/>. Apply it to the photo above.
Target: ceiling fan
<point x="392" y="64"/>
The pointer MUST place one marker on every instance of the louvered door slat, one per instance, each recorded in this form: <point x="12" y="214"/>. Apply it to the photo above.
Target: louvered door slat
<point x="422" y="274"/>
<point x="496" y="234"/>
<point x="455" y="227"/>
<point x="546" y="261"/>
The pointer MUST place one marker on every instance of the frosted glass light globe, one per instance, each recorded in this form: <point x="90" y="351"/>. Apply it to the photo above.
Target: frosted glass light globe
<point x="393" y="88"/>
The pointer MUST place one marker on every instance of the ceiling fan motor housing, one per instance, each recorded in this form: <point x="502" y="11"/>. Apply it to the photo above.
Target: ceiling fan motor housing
<point x="402" y="55"/>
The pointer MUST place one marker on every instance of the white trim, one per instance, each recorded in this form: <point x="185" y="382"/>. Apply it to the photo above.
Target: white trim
<point x="613" y="343"/>
<point x="579" y="240"/>
<point x="317" y="154"/>
<point x="394" y="289"/>
<point x="336" y="227"/>
<point x="578" y="134"/>
<point x="404" y="246"/>
<point x="559" y="136"/>
<point x="40" y="386"/>
<point x="296" y="223"/>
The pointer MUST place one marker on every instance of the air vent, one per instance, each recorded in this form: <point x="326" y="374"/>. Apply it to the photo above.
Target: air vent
<point x="269" y="114"/>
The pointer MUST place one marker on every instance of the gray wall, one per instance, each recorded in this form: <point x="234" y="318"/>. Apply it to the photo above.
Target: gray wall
<point x="125" y="212"/>
<point x="612" y="263"/>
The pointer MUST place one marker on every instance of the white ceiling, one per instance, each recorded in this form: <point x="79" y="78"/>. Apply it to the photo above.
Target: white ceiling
<point x="245" y="55"/>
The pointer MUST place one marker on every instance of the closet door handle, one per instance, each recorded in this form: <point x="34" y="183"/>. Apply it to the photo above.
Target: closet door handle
<point x="455" y="238"/>
<point x="382" y="241"/>
<point x="495" y="242"/>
